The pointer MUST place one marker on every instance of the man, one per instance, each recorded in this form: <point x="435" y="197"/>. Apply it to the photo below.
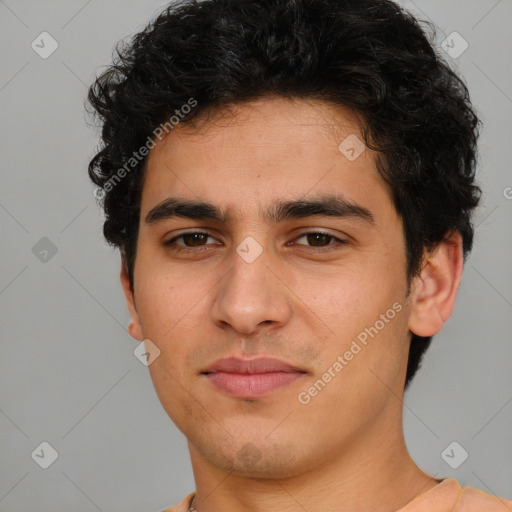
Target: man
<point x="290" y="184"/>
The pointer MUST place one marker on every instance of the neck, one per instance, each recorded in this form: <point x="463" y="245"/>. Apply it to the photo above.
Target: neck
<point x="374" y="472"/>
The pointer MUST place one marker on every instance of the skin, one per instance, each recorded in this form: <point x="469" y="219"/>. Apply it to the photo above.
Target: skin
<point x="299" y="302"/>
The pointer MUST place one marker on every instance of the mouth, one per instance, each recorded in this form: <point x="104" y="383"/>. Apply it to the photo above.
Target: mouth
<point x="251" y="378"/>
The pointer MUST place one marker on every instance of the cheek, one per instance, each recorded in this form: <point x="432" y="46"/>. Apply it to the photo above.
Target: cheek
<point x="163" y="296"/>
<point x="363" y="317"/>
<point x="351" y="296"/>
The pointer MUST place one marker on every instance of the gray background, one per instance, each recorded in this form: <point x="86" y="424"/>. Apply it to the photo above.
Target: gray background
<point x="68" y="375"/>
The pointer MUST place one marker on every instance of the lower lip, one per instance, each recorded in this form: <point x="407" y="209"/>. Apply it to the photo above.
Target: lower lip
<point x="244" y="385"/>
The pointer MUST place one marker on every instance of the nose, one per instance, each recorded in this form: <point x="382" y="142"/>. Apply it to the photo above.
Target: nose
<point x="252" y="294"/>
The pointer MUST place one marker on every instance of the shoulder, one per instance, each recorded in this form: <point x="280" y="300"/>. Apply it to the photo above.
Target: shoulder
<point x="449" y="496"/>
<point x="476" y="500"/>
<point x="182" y="506"/>
<point x="469" y="500"/>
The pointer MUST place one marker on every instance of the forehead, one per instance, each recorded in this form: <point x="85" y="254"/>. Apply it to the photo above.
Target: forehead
<point x="257" y="151"/>
<point x="273" y="120"/>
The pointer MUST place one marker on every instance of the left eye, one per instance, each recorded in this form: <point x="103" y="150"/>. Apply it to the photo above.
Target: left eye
<point x="317" y="239"/>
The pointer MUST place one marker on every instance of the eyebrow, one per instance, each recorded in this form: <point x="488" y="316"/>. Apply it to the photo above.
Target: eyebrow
<point x="326" y="205"/>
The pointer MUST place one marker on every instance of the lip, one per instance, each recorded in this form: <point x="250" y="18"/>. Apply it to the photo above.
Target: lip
<point x="251" y="378"/>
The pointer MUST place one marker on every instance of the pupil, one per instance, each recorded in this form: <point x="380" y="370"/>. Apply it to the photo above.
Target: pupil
<point x="198" y="237"/>
<point x="317" y="237"/>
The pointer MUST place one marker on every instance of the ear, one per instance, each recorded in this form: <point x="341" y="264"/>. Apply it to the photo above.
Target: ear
<point x="434" y="289"/>
<point x="135" y="328"/>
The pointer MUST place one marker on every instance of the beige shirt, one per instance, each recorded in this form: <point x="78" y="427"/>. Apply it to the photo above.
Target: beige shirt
<point x="448" y="496"/>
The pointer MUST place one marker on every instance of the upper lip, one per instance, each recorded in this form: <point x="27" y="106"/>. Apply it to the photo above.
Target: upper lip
<point x="251" y="366"/>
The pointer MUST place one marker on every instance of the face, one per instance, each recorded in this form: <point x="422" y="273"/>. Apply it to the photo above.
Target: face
<point x="317" y="285"/>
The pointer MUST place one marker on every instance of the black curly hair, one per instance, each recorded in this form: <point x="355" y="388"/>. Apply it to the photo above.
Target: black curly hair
<point x="369" y="55"/>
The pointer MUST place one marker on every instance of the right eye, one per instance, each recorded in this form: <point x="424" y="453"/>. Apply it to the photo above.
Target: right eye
<point x="191" y="239"/>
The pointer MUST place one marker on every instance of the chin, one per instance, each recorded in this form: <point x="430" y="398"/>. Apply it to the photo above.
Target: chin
<point x="253" y="458"/>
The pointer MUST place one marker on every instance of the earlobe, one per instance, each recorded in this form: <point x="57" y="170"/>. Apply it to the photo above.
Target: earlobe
<point x="134" y="328"/>
<point x="435" y="288"/>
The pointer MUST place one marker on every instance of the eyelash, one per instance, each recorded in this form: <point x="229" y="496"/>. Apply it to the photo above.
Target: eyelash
<point x="171" y="244"/>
